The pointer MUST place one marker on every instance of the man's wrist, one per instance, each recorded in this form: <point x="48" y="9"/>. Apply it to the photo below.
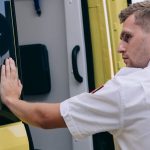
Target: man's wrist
<point x="9" y="100"/>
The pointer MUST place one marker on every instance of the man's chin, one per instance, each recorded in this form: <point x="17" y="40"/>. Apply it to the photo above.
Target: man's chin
<point x="130" y="66"/>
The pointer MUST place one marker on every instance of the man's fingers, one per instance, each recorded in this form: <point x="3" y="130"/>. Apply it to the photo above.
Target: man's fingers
<point x="13" y="69"/>
<point x="3" y="75"/>
<point x="7" y="68"/>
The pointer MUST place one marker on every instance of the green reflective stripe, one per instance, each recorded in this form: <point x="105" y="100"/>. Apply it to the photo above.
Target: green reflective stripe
<point x="113" y="9"/>
<point x="101" y="58"/>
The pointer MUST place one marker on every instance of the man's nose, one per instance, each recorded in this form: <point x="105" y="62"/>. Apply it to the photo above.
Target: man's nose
<point x="121" y="47"/>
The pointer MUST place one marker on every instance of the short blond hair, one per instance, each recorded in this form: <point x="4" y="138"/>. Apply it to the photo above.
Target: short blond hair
<point x="141" y="11"/>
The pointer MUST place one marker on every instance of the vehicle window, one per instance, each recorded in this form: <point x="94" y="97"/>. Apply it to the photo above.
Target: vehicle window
<point x="6" y="116"/>
<point x="8" y="48"/>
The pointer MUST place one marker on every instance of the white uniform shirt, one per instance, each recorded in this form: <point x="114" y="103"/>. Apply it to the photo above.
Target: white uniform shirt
<point x="121" y="107"/>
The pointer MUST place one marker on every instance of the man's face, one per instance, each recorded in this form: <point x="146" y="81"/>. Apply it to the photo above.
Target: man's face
<point x="134" y="45"/>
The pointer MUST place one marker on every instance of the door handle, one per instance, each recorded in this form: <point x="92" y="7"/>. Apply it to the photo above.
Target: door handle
<point x="76" y="74"/>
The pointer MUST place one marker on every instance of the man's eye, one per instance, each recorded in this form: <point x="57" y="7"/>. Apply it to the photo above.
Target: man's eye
<point x="126" y="37"/>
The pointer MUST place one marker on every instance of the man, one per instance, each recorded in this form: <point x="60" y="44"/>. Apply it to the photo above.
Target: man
<point x="121" y="107"/>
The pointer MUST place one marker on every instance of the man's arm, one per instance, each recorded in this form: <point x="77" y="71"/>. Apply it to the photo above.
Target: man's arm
<point x="43" y="115"/>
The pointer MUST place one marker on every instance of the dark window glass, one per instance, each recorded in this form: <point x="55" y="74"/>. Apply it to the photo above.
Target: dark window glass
<point x="8" y="48"/>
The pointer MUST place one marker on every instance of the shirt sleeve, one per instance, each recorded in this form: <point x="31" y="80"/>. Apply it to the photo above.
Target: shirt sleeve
<point x="87" y="113"/>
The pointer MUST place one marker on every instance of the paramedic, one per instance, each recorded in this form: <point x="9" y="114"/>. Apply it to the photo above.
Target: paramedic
<point x="121" y="107"/>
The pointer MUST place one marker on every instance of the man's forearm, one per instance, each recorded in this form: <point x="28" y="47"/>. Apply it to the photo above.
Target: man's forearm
<point x="44" y="115"/>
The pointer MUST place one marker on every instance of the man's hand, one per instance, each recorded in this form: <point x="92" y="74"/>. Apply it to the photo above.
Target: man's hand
<point x="10" y="86"/>
<point x="44" y="115"/>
